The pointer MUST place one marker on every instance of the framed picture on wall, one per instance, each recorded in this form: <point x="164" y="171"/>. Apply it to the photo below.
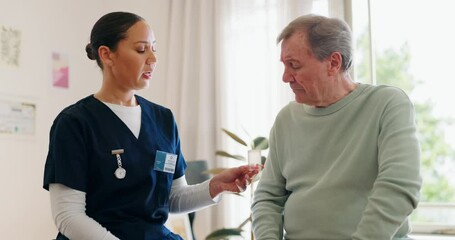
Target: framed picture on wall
<point x="17" y="118"/>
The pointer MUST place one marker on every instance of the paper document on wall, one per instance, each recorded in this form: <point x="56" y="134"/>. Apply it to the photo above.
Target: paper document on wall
<point x="17" y="118"/>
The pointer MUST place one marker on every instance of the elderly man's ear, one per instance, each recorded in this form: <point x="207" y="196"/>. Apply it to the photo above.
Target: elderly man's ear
<point x="335" y="59"/>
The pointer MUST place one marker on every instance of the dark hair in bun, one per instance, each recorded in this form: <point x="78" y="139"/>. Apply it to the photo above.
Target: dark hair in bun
<point x="90" y="51"/>
<point x="108" y="31"/>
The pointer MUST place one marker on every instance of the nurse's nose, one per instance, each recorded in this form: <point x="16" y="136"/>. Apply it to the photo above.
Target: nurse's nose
<point x="152" y="58"/>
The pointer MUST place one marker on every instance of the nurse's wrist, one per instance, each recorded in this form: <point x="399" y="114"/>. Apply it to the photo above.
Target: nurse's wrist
<point x="214" y="189"/>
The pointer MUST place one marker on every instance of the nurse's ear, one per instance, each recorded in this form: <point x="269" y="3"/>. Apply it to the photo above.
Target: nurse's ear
<point x="105" y="56"/>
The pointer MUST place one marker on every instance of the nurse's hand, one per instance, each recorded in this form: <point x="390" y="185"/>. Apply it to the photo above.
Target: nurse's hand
<point x="233" y="179"/>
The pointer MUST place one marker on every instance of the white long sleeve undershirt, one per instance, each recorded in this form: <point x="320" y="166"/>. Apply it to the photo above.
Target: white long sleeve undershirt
<point x="68" y="208"/>
<point x="68" y="212"/>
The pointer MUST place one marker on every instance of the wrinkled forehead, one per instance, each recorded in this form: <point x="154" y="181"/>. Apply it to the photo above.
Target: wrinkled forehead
<point x="294" y="45"/>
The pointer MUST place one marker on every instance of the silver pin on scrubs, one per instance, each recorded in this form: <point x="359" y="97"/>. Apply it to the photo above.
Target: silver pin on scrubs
<point x="120" y="172"/>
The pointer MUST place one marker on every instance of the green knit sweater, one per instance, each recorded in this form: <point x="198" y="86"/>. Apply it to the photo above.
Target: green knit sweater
<point x="347" y="171"/>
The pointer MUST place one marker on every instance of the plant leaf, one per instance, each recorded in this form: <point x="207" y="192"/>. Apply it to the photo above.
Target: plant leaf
<point x="224" y="233"/>
<point x="244" y="222"/>
<point x="235" y="137"/>
<point x="225" y="154"/>
<point x="260" y="143"/>
<point x="246" y="132"/>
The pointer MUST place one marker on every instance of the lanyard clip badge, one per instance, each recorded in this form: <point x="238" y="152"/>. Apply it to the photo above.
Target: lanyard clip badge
<point x="120" y="172"/>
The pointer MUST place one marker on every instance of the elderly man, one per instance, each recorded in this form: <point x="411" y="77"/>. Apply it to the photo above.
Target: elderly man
<point x="344" y="157"/>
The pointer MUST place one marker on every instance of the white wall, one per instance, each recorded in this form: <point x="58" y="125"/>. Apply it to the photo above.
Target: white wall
<point x="63" y="26"/>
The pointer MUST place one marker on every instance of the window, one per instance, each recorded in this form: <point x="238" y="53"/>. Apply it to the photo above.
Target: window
<point x="409" y="44"/>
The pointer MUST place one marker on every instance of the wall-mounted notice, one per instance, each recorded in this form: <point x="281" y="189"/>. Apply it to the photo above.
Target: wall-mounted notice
<point x="17" y="118"/>
<point x="10" y="46"/>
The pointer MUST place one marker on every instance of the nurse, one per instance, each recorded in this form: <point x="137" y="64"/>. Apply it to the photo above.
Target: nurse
<point x="114" y="168"/>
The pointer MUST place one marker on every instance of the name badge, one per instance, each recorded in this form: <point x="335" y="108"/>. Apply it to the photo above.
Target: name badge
<point x="165" y="162"/>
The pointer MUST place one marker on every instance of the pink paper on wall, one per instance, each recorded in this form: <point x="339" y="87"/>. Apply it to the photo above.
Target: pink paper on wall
<point x="60" y="70"/>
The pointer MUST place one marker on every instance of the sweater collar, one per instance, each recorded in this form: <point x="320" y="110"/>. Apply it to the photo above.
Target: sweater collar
<point x="338" y="105"/>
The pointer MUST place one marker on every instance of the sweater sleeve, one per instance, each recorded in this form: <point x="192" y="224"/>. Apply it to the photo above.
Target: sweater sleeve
<point x="395" y="192"/>
<point x="269" y="198"/>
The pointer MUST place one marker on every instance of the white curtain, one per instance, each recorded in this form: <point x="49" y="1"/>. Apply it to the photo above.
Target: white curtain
<point x="190" y="88"/>
<point x="190" y="79"/>
<point x="223" y="71"/>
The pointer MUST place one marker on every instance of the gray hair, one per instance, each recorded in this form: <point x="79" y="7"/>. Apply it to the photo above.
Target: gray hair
<point x="325" y="36"/>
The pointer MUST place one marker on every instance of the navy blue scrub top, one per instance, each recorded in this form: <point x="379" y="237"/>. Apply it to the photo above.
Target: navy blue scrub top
<point x="81" y="140"/>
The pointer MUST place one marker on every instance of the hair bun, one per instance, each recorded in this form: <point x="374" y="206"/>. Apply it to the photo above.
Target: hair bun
<point x="90" y="53"/>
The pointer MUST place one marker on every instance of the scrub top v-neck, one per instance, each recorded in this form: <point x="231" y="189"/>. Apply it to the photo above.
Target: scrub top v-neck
<point x="80" y="156"/>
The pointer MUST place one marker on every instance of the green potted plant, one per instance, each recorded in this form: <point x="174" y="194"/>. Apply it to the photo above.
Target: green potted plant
<point x="258" y="143"/>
